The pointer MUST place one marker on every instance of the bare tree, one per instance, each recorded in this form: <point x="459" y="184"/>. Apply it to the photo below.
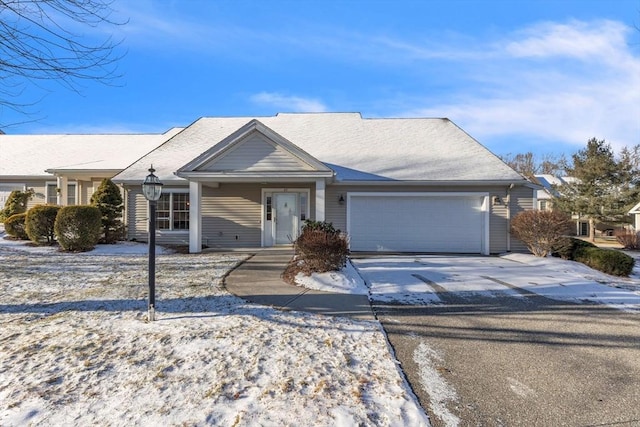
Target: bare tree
<point x="529" y="165"/>
<point x="46" y="40"/>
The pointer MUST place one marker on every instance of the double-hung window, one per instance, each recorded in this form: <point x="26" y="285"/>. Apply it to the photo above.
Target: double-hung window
<point x="52" y="193"/>
<point x="172" y="212"/>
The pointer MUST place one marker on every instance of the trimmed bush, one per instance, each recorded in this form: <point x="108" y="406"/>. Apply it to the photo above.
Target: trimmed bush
<point x="78" y="228"/>
<point x="628" y="239"/>
<point x="606" y="260"/>
<point x="14" y="226"/>
<point x="108" y="199"/>
<point x="566" y="247"/>
<point x="39" y="224"/>
<point x="16" y="203"/>
<point x="540" y="230"/>
<point x="320" y="248"/>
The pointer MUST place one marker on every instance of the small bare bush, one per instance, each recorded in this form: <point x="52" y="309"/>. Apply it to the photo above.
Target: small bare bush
<point x="628" y="239"/>
<point x="320" y="248"/>
<point x="540" y="230"/>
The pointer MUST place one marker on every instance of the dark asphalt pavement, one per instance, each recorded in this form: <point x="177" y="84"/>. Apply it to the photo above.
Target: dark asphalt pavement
<point x="527" y="361"/>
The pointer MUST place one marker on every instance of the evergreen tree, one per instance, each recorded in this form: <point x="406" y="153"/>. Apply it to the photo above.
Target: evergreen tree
<point x="603" y="189"/>
<point x="16" y="203"/>
<point x="108" y="199"/>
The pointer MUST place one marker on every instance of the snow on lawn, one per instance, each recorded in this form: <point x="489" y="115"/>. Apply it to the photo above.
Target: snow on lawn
<point x="76" y="349"/>
<point x="420" y="280"/>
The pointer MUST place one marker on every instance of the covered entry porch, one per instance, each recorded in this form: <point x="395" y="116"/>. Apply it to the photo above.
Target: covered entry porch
<point x="251" y="214"/>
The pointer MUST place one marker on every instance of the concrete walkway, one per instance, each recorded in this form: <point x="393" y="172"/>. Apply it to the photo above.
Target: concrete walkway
<point x="258" y="280"/>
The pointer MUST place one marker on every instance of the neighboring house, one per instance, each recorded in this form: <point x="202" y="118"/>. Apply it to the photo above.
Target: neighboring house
<point x="545" y="194"/>
<point x="405" y="185"/>
<point x="545" y="197"/>
<point x="67" y="169"/>
<point x="635" y="215"/>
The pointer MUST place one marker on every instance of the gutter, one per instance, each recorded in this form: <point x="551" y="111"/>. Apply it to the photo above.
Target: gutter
<point x="438" y="183"/>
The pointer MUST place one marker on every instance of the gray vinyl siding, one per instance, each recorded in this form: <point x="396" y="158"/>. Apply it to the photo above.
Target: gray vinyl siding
<point x="257" y="155"/>
<point x="231" y="216"/>
<point x="498" y="224"/>
<point x="137" y="221"/>
<point x="521" y="200"/>
<point x="136" y="215"/>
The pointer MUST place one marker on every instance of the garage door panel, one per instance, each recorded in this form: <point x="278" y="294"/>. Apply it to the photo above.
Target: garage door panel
<point x="416" y="223"/>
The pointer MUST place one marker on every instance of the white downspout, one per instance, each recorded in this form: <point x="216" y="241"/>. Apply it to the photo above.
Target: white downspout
<point x="320" y="200"/>
<point x="508" y="203"/>
<point x="195" y="217"/>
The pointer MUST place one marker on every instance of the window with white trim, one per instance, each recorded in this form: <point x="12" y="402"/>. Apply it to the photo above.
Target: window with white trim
<point x="52" y="193"/>
<point x="71" y="194"/>
<point x="172" y="211"/>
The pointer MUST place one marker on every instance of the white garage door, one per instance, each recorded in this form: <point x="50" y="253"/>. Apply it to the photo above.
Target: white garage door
<point x="430" y="222"/>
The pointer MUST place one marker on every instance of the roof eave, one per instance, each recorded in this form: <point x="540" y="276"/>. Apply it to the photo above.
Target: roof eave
<point x="254" y="176"/>
<point x="474" y="183"/>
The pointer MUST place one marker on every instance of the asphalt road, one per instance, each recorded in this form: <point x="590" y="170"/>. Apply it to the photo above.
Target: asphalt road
<point x="507" y="361"/>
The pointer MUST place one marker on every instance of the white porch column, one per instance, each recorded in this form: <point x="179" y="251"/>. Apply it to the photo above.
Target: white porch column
<point x="320" y="199"/>
<point x="195" y="217"/>
<point x="63" y="189"/>
<point x="80" y="190"/>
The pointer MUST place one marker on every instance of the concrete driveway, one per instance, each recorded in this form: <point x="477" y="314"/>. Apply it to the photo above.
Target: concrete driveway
<point x="482" y="342"/>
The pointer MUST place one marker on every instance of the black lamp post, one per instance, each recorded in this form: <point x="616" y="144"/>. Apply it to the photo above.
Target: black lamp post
<point x="152" y="188"/>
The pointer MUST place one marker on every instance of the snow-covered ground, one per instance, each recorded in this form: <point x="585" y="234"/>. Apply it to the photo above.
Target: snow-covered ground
<point x="76" y="349"/>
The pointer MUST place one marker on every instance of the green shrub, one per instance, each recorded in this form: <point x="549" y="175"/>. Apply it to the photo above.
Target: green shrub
<point x="16" y="203"/>
<point x="606" y="260"/>
<point x="78" y="228"/>
<point x="566" y="247"/>
<point x="39" y="223"/>
<point x="108" y="199"/>
<point x="540" y="230"/>
<point x="14" y="226"/>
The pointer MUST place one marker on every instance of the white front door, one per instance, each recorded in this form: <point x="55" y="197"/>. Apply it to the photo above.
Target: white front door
<point x="286" y="218"/>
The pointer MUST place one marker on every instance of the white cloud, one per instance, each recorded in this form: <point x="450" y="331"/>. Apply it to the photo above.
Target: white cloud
<point x="575" y="39"/>
<point x="287" y="103"/>
<point x="560" y="83"/>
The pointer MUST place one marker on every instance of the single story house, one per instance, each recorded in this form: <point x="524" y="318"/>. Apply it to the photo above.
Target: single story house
<point x="66" y="169"/>
<point x="400" y="185"/>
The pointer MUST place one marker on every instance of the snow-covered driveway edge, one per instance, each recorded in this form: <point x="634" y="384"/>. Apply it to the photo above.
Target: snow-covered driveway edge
<point x="422" y="279"/>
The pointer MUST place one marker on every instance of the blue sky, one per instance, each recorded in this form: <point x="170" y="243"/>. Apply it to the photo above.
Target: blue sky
<point x="517" y="75"/>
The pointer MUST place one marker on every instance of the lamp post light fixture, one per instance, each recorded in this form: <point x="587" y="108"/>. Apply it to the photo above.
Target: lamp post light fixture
<point x="152" y="189"/>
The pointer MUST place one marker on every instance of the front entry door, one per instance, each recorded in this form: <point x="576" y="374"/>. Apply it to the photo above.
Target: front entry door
<point x="286" y="218"/>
